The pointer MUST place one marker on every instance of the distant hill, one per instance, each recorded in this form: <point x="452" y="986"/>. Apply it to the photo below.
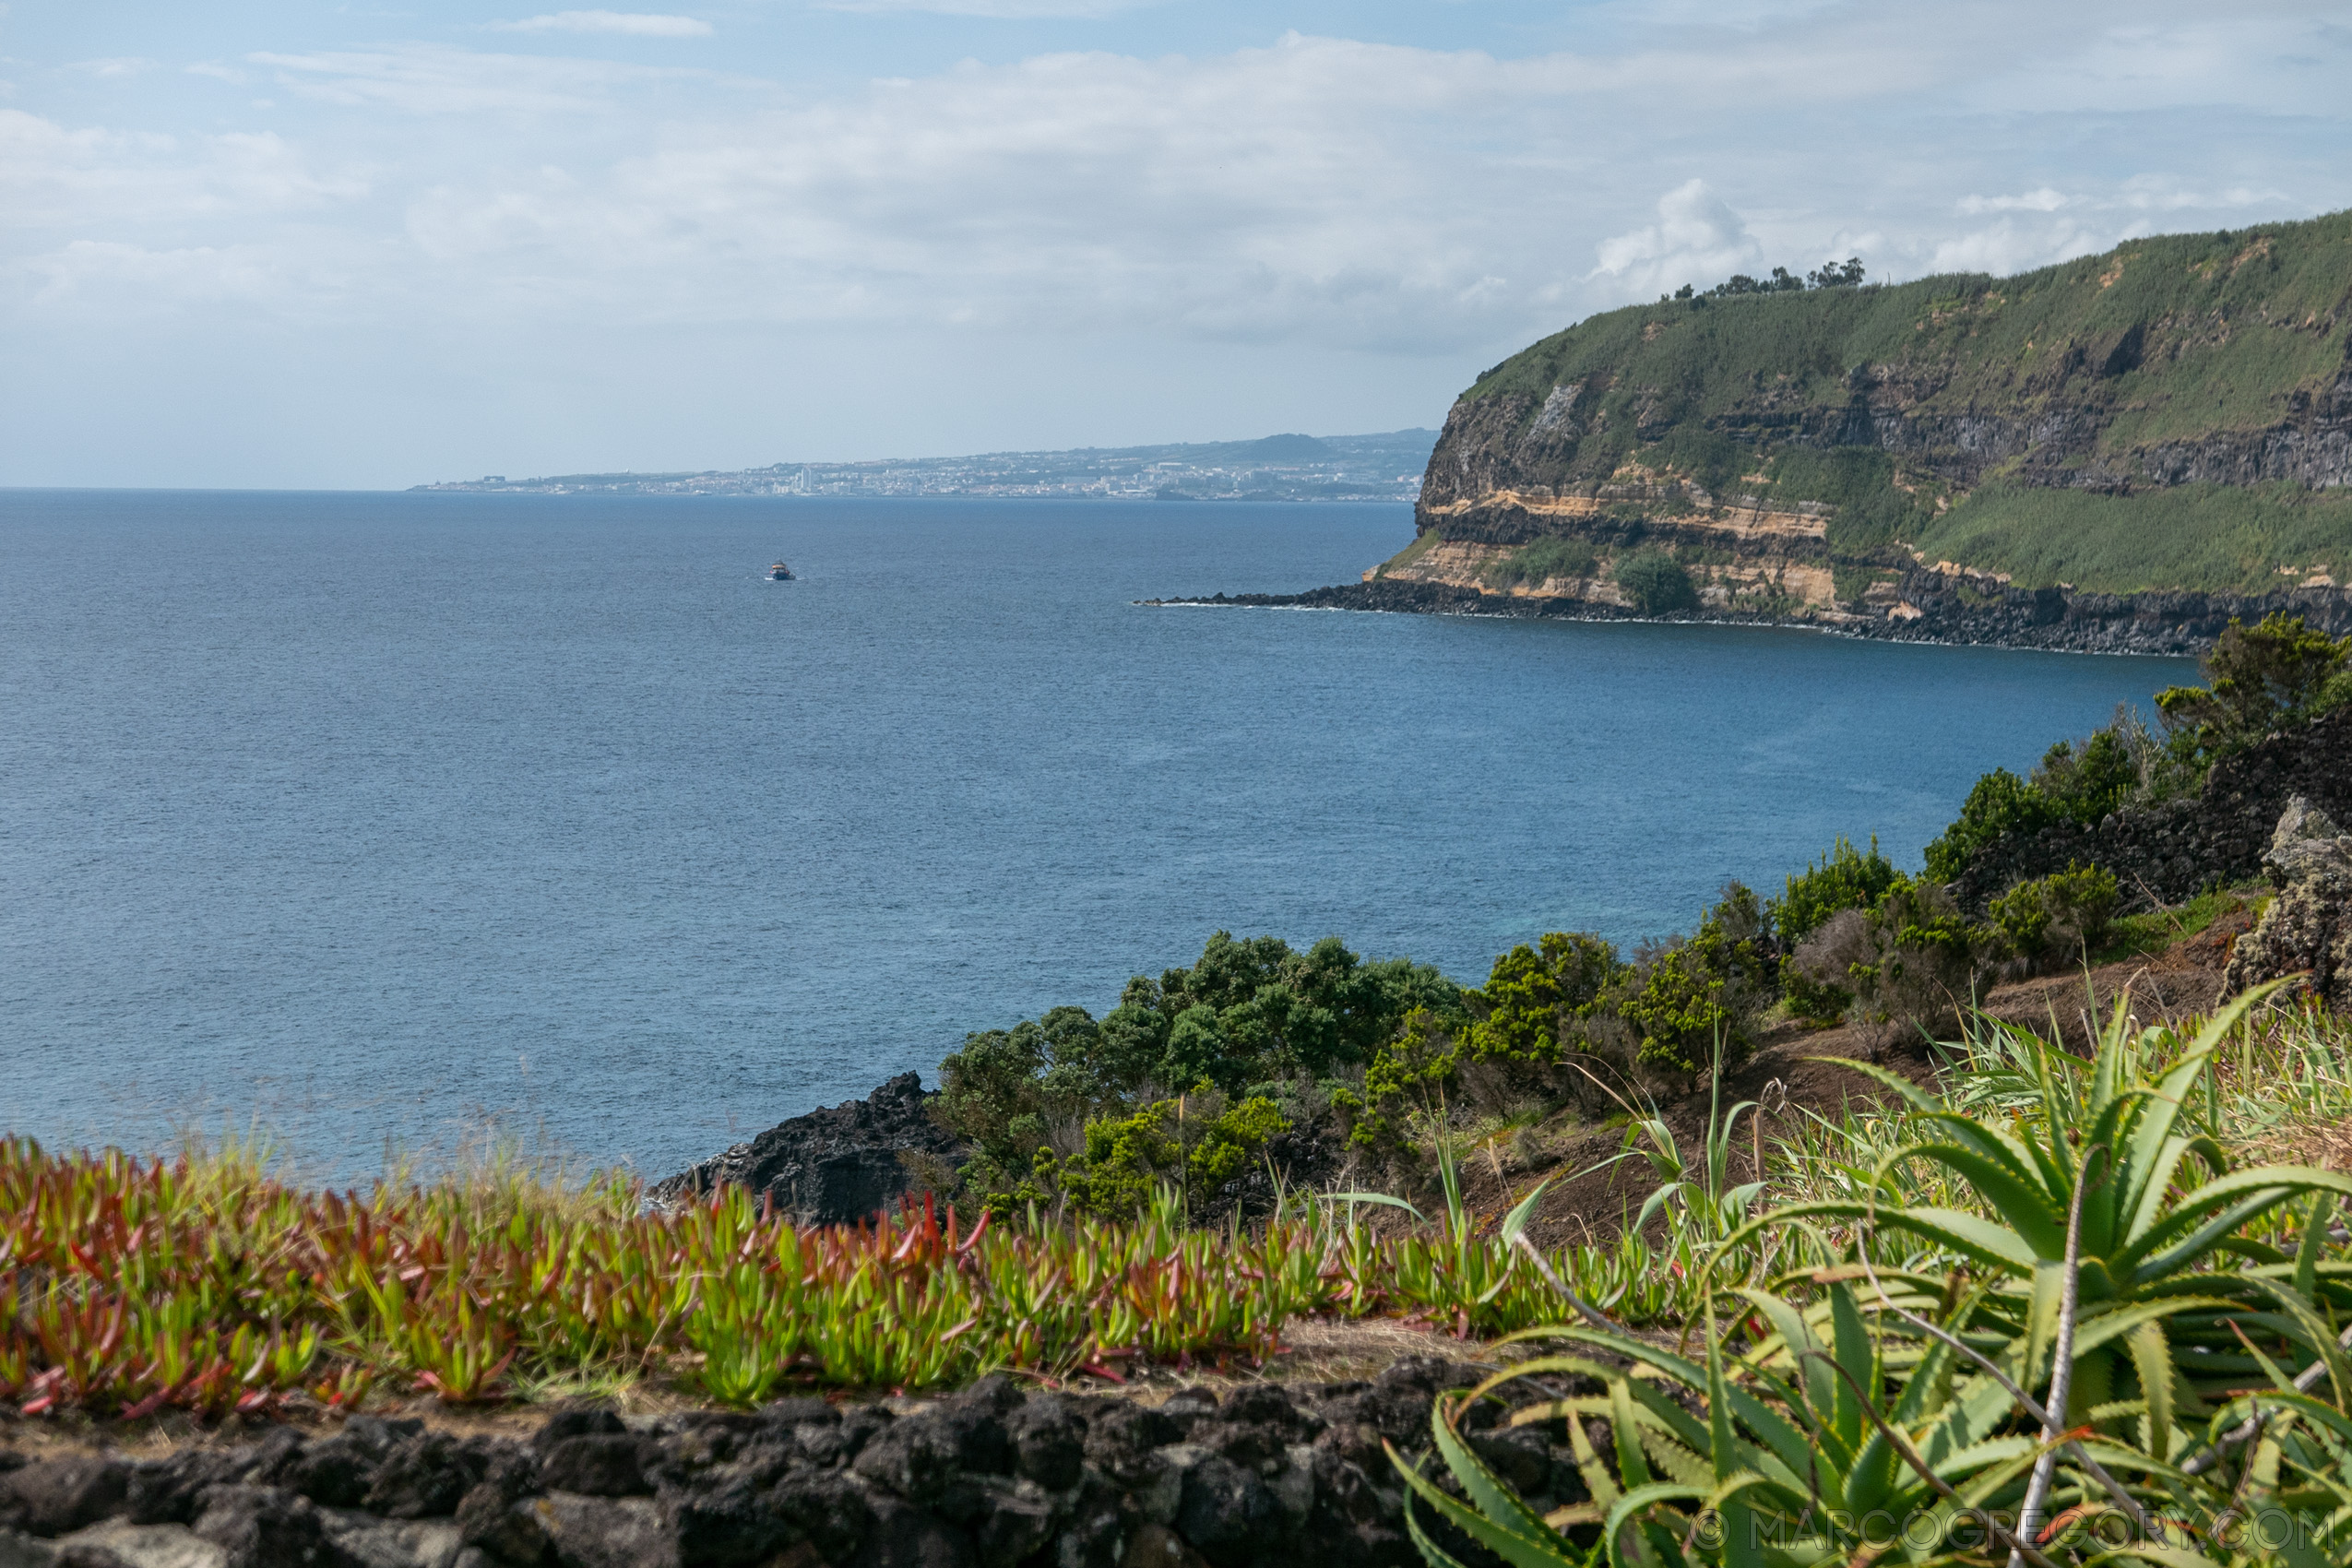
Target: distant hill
<point x="1384" y="466"/>
<point x="1288" y="449"/>
<point x="2173" y="415"/>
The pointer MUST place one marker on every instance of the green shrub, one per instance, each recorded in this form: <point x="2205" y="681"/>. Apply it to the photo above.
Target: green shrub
<point x="1702" y="996"/>
<point x="1006" y="1089"/>
<point x="1417" y="1067"/>
<point x="1843" y="879"/>
<point x="1679" y="1011"/>
<point x="1534" y="996"/>
<point x="1253" y="1011"/>
<point x="2257" y="680"/>
<point x="1912" y="958"/>
<point x="1653" y="582"/>
<point x="2084" y="785"/>
<point x="1126" y="1158"/>
<point x="2001" y="803"/>
<point x="1532" y="1014"/>
<point x="2060" y="918"/>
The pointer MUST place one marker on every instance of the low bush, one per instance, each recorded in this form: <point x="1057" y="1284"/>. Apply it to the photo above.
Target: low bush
<point x="1127" y="1160"/>
<point x="2258" y="678"/>
<point x="1843" y="879"/>
<point x="1999" y="802"/>
<point x="1695" y="1003"/>
<point x="1912" y="958"/>
<point x="1252" y="1013"/>
<point x="1541" y="1005"/>
<point x="2057" y="920"/>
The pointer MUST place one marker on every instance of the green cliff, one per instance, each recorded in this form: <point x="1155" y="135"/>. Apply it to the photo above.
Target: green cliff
<point x="2174" y="416"/>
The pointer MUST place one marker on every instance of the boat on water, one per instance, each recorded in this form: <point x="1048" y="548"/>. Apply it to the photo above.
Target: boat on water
<point x="780" y="573"/>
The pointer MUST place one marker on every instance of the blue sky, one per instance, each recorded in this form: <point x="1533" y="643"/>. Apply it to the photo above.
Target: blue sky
<point x="275" y="243"/>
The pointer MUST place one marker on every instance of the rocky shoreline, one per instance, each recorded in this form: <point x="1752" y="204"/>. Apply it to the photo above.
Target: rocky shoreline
<point x="1928" y="606"/>
<point x="1268" y="1476"/>
<point x="834" y="1166"/>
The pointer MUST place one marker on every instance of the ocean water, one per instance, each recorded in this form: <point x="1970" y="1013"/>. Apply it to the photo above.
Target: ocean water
<point x="375" y="818"/>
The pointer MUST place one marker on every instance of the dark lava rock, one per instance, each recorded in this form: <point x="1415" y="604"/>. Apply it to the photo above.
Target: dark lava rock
<point x="336" y="1473"/>
<point x="1255" y="1426"/>
<point x="839" y="1441"/>
<point x="1226" y="1514"/>
<point x="1120" y="1439"/>
<point x="261" y="1527"/>
<point x="424" y="1476"/>
<point x="830" y="1167"/>
<point x="171" y="1491"/>
<point x="922" y="1454"/>
<point x="598" y="1464"/>
<point x="566" y="1424"/>
<point x="56" y="1496"/>
<point x="1048" y="1442"/>
<point x="1016" y="1518"/>
<point x="830" y="1512"/>
<point x="505" y="1529"/>
<point x="729" y="1523"/>
<point x="1271" y="1476"/>
<point x="908" y="1537"/>
<point x="1520" y="1456"/>
<point x="606" y="1532"/>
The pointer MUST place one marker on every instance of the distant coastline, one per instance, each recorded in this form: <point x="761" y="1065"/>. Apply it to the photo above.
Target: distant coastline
<point x="1386" y="466"/>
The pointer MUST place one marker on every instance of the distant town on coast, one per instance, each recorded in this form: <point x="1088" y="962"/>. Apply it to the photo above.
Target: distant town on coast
<point x="1277" y="468"/>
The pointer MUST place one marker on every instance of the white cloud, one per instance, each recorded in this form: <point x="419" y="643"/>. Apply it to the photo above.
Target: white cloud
<point x="2042" y="200"/>
<point x="2007" y="246"/>
<point x="1321" y="191"/>
<point x="635" y="24"/>
<point x="53" y="178"/>
<point x="430" y="79"/>
<point x="1696" y="239"/>
<point x="120" y="65"/>
<point x="219" y="72"/>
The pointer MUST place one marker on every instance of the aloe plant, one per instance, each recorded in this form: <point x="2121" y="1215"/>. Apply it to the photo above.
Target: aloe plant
<point x="2163" y="1267"/>
<point x="1828" y="1437"/>
<point x="2195" y="1409"/>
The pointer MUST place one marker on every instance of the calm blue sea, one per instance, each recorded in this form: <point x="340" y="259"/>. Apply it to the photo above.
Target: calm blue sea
<point x="372" y="816"/>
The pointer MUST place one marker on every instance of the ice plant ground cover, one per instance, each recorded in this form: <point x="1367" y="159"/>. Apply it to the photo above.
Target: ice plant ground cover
<point x="132" y="1284"/>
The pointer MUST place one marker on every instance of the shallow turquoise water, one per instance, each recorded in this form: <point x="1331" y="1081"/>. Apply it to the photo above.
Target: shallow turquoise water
<point x="373" y="816"/>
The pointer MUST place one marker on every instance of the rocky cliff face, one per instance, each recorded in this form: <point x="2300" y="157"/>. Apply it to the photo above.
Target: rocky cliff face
<point x="1856" y="456"/>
